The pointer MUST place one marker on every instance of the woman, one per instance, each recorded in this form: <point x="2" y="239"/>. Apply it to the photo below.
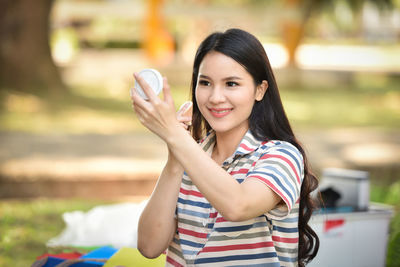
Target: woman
<point x="241" y="197"/>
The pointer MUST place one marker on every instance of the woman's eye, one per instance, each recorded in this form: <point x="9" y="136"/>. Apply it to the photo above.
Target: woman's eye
<point x="232" y="84"/>
<point x="204" y="82"/>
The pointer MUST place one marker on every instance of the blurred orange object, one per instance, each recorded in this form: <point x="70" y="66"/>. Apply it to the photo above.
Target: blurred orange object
<point x="158" y="42"/>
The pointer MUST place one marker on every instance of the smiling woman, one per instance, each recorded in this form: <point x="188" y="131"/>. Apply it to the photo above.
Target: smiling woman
<point x="226" y="92"/>
<point x="237" y="190"/>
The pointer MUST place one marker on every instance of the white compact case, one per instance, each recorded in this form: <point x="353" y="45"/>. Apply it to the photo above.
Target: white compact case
<point x="153" y="78"/>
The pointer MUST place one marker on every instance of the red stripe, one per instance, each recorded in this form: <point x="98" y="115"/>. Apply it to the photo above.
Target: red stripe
<point x="274" y="189"/>
<point x="237" y="247"/>
<point x="173" y="262"/>
<point x="244" y="170"/>
<point x="213" y="215"/>
<point x="190" y="192"/>
<point x="246" y="147"/>
<point x="285" y="239"/>
<point x="220" y="219"/>
<point x="266" y="156"/>
<point x="192" y="233"/>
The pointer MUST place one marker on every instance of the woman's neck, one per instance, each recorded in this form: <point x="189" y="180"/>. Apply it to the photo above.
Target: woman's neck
<point x="226" y="144"/>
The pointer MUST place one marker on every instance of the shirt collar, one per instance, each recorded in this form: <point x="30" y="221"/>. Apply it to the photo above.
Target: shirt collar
<point x="247" y="145"/>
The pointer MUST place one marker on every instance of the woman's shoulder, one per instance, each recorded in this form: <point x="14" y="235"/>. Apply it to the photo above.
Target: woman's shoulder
<point x="281" y="147"/>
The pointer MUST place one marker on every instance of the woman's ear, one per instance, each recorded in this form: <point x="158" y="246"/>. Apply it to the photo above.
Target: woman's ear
<point x="261" y="89"/>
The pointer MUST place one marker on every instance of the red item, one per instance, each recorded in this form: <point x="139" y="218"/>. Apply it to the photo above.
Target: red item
<point x="331" y="224"/>
<point x="65" y="256"/>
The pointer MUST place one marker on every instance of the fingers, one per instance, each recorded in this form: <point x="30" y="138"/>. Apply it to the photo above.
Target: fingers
<point x="146" y="87"/>
<point x="186" y="109"/>
<point x="167" y="92"/>
<point x="185" y="120"/>
<point x="138" y="100"/>
<point x="140" y="112"/>
<point x="184" y="125"/>
<point x="184" y="113"/>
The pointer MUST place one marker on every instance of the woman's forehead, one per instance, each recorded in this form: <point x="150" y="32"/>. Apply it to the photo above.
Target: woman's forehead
<point x="218" y="65"/>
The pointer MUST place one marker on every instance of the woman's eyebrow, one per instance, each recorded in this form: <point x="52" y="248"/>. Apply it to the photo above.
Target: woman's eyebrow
<point x="232" y="78"/>
<point x="204" y="76"/>
<point x="224" y="79"/>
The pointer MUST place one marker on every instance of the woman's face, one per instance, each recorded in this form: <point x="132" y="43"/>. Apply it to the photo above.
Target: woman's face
<point x="225" y="93"/>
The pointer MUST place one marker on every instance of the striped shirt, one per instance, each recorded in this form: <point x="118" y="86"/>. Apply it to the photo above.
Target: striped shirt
<point x="205" y="238"/>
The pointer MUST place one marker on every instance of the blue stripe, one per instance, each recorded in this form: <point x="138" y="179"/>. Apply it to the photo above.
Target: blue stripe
<point x="295" y="219"/>
<point x="193" y="213"/>
<point x="285" y="230"/>
<point x="189" y="252"/>
<point x="291" y="157"/>
<point x="191" y="244"/>
<point x="194" y="203"/>
<point x="277" y="181"/>
<point x="292" y="148"/>
<point x="237" y="257"/>
<point x="286" y="259"/>
<point x="241" y="227"/>
<point x="287" y="180"/>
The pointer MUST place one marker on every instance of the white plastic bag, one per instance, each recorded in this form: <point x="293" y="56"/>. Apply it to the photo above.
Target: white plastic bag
<point x="114" y="225"/>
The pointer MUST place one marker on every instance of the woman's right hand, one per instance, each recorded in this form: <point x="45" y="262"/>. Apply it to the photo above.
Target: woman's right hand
<point x="184" y="116"/>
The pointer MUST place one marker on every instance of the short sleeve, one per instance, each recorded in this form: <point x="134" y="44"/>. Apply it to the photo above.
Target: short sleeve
<point x="281" y="168"/>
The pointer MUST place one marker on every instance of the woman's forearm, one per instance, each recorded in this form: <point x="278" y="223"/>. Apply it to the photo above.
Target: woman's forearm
<point x="235" y="202"/>
<point x="157" y="224"/>
<point x="213" y="182"/>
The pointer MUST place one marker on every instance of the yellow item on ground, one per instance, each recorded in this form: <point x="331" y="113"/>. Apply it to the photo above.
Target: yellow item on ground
<point x="131" y="257"/>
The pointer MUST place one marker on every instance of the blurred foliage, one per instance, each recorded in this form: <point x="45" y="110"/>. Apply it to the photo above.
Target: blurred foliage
<point x="64" y="44"/>
<point x="390" y="195"/>
<point x="368" y="101"/>
<point x="112" y="32"/>
<point x="394" y="250"/>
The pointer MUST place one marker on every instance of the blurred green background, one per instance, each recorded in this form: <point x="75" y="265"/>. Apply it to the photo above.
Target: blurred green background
<point x="69" y="139"/>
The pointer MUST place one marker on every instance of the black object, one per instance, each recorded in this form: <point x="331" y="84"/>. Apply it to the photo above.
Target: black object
<point x="329" y="197"/>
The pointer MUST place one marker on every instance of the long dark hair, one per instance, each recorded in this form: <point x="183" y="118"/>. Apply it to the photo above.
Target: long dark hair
<point x="267" y="121"/>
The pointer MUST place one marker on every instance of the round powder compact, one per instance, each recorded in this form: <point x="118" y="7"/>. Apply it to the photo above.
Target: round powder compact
<point x="153" y="78"/>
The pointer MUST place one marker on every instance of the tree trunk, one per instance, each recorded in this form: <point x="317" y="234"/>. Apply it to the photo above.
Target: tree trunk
<point x="26" y="64"/>
<point x="293" y="33"/>
<point x="297" y="13"/>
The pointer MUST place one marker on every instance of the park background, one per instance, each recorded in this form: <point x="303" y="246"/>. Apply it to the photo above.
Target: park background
<point x="70" y="141"/>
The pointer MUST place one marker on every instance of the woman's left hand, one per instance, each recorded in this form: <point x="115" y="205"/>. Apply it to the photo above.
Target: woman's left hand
<point x="158" y="115"/>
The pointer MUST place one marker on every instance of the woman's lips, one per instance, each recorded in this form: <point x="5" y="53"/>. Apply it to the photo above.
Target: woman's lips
<point x="220" y="112"/>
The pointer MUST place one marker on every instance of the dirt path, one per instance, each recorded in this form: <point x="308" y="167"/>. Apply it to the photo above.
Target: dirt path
<point x="106" y="166"/>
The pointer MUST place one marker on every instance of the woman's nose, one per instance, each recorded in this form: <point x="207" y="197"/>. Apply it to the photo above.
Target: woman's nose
<point x="217" y="95"/>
